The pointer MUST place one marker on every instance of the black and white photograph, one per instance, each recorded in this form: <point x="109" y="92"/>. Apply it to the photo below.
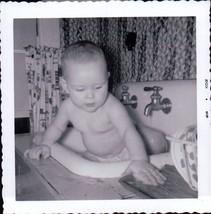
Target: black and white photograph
<point x="106" y="109"/>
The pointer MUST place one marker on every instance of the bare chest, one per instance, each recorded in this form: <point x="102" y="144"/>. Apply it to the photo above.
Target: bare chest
<point x="96" y="122"/>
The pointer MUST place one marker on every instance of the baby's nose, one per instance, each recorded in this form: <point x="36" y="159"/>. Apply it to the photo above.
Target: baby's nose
<point x="90" y="93"/>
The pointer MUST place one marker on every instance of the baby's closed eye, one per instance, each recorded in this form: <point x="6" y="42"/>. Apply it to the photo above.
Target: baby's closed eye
<point x="79" y="89"/>
<point x="98" y="87"/>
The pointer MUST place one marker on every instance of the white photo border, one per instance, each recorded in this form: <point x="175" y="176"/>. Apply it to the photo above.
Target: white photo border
<point x="200" y="10"/>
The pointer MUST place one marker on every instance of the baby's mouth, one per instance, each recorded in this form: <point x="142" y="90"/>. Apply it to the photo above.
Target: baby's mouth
<point x="90" y="104"/>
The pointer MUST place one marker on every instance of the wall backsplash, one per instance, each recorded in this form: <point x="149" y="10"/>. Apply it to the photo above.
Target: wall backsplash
<point x="164" y="49"/>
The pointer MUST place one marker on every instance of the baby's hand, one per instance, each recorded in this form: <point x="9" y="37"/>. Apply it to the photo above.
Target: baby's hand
<point x="37" y="152"/>
<point x="145" y="172"/>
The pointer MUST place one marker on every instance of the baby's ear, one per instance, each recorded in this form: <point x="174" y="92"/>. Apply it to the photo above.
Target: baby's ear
<point x="109" y="74"/>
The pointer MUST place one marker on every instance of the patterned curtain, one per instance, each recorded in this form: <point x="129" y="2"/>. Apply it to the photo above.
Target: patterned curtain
<point x="164" y="49"/>
<point x="43" y="72"/>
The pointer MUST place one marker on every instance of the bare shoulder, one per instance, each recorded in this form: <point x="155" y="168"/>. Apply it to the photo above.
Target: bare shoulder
<point x="118" y="114"/>
<point x="66" y="102"/>
<point x="114" y="106"/>
<point x="66" y="105"/>
<point x="113" y="101"/>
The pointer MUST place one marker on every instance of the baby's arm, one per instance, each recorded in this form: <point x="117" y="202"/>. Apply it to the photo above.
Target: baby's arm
<point x="50" y="136"/>
<point x="140" y="167"/>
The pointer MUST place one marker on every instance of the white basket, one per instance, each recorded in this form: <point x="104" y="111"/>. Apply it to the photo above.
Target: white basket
<point x="184" y="154"/>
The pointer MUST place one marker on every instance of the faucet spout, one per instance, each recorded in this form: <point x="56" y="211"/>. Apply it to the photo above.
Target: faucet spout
<point x="156" y="102"/>
<point x="126" y="100"/>
<point x="148" y="109"/>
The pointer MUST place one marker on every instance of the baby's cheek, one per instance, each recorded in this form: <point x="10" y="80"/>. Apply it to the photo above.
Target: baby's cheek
<point x="76" y="97"/>
<point x="103" y="95"/>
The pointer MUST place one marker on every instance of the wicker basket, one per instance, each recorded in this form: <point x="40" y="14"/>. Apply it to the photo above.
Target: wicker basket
<point x="184" y="154"/>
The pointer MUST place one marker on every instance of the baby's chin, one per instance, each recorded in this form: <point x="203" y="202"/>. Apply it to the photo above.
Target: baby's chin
<point x="90" y="111"/>
<point x="90" y="108"/>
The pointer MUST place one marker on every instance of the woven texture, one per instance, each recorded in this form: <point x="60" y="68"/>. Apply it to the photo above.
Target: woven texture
<point x="165" y="47"/>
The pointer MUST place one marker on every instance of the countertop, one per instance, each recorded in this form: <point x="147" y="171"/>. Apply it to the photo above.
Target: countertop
<point x="49" y="180"/>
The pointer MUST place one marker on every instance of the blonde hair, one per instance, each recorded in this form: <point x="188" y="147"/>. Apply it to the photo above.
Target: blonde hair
<point x="82" y="51"/>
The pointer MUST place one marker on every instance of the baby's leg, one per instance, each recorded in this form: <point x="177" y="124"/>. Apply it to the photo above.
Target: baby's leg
<point x="154" y="140"/>
<point x="72" y="139"/>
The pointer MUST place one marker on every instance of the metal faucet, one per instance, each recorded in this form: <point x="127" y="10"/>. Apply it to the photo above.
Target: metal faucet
<point x="126" y="100"/>
<point x="156" y="102"/>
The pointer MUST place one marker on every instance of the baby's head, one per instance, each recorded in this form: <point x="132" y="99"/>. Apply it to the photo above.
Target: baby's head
<point x="82" y="52"/>
<point x="85" y="71"/>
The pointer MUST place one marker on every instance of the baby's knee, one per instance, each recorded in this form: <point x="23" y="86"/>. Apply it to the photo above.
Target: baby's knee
<point x="158" y="144"/>
<point x="155" y="141"/>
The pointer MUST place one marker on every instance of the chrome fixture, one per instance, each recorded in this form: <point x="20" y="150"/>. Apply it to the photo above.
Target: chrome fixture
<point x="156" y="102"/>
<point x="126" y="100"/>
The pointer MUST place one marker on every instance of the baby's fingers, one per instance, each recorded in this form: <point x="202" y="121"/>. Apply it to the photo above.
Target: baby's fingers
<point x="40" y="152"/>
<point x="26" y="153"/>
<point x="34" y="153"/>
<point x="29" y="153"/>
<point x="37" y="152"/>
<point x="147" y="179"/>
<point x="150" y="177"/>
<point x="159" y="176"/>
<point x="46" y="154"/>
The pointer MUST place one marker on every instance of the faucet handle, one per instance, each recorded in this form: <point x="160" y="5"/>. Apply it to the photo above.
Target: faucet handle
<point x="125" y="88"/>
<point x="154" y="88"/>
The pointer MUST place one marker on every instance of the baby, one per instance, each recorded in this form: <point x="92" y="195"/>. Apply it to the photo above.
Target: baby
<point x="107" y="131"/>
